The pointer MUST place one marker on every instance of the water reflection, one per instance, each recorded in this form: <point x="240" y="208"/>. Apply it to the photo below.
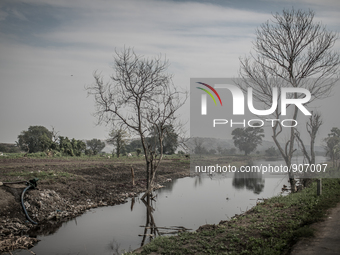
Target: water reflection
<point x="250" y="181"/>
<point x="46" y="229"/>
<point x="114" y="247"/>
<point x="168" y="187"/>
<point x="132" y="203"/>
<point x="198" y="181"/>
<point x="150" y="228"/>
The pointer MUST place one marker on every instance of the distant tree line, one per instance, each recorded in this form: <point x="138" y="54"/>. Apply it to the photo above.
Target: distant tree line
<point x="40" y="139"/>
<point x="199" y="148"/>
<point x="120" y="140"/>
<point x="9" y="148"/>
<point x="245" y="139"/>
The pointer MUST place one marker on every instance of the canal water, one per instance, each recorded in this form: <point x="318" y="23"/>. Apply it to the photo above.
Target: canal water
<point x="187" y="202"/>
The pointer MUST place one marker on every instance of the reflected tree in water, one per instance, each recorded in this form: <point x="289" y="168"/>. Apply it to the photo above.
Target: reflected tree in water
<point x="250" y="181"/>
<point x="150" y="225"/>
<point x="132" y="203"/>
<point x="150" y="229"/>
<point x="198" y="180"/>
<point x="114" y="246"/>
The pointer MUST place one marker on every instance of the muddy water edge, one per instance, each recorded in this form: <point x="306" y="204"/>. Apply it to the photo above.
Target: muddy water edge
<point x="67" y="188"/>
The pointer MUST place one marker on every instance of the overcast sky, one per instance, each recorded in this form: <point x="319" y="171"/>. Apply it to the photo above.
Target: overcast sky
<point x="49" y="50"/>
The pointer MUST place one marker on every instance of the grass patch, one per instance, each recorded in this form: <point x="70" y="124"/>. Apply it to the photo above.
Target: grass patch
<point x="42" y="175"/>
<point x="101" y="156"/>
<point x="271" y="227"/>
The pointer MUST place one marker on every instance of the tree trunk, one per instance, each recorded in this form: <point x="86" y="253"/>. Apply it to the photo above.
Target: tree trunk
<point x="147" y="175"/>
<point x="133" y="176"/>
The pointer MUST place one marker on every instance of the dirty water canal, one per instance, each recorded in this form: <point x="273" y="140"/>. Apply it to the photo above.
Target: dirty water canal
<point x="187" y="202"/>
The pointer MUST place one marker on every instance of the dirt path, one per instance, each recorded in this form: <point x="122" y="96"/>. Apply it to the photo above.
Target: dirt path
<point x="327" y="237"/>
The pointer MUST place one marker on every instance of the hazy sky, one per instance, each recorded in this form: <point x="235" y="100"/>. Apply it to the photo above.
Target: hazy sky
<point x="49" y="50"/>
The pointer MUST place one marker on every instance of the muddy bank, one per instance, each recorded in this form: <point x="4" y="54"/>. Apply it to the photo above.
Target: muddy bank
<point x="66" y="189"/>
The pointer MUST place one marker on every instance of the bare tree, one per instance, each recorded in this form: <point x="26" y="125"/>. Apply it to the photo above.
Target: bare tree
<point x="141" y="97"/>
<point x="54" y="135"/>
<point x="332" y="146"/>
<point x="288" y="50"/>
<point x="118" y="139"/>
<point x="312" y="127"/>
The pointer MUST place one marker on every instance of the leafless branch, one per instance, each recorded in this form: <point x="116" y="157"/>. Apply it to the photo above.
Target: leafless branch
<point x="291" y="50"/>
<point x="141" y="97"/>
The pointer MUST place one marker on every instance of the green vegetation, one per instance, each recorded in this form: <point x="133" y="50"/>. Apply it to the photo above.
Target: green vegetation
<point x="42" y="175"/>
<point x="70" y="148"/>
<point x="271" y="227"/>
<point x="9" y="148"/>
<point x="83" y="157"/>
<point x="95" y="145"/>
<point x="35" y="139"/>
<point x="118" y="138"/>
<point x="38" y="139"/>
<point x="170" y="140"/>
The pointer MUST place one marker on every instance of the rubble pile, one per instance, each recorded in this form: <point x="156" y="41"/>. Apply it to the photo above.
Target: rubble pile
<point x="12" y="230"/>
